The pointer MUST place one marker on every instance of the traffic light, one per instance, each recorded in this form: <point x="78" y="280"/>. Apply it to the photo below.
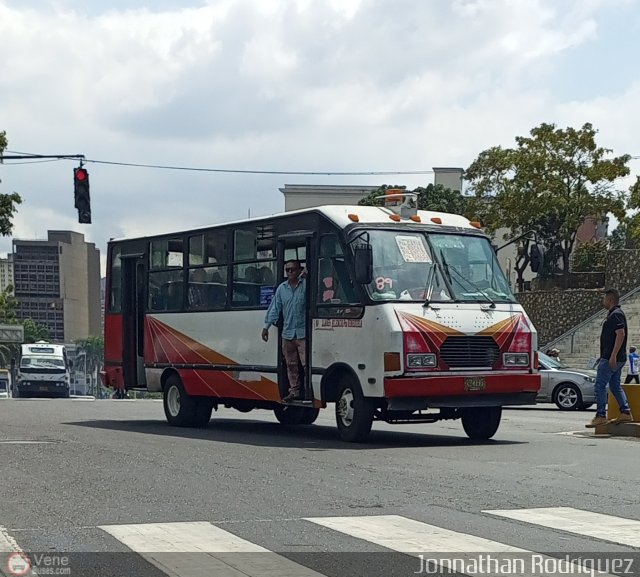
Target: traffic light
<point x="82" y="197"/>
<point x="536" y="258"/>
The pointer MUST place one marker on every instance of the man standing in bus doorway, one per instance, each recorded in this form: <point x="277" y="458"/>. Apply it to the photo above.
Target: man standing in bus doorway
<point x="290" y="300"/>
<point x="613" y="356"/>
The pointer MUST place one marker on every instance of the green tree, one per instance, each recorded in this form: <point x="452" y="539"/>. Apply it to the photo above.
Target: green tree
<point x="93" y="350"/>
<point x="34" y="331"/>
<point x="590" y="256"/>
<point x="431" y="197"/>
<point x="8" y="306"/>
<point x="631" y="224"/>
<point x="550" y="182"/>
<point x="8" y="202"/>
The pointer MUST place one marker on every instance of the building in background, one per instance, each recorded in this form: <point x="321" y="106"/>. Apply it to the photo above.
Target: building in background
<point x="57" y="284"/>
<point x="448" y="177"/>
<point x="6" y="272"/>
<point x="299" y="196"/>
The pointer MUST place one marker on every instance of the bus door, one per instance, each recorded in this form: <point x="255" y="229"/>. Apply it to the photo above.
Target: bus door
<point x="298" y="245"/>
<point x="133" y="306"/>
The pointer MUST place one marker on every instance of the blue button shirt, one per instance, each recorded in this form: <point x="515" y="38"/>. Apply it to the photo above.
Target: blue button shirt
<point x="292" y="304"/>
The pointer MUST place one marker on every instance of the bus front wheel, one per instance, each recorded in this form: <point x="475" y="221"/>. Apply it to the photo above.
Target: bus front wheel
<point x="183" y="410"/>
<point x="481" y="422"/>
<point x="354" y="412"/>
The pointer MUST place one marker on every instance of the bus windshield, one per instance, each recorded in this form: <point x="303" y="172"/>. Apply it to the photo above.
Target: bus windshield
<point x="42" y="362"/>
<point x="416" y="266"/>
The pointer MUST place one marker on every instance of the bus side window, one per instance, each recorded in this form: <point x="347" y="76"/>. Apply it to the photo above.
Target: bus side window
<point x="333" y="275"/>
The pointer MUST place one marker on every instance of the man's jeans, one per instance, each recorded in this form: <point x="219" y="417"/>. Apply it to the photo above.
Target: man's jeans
<point x="604" y="377"/>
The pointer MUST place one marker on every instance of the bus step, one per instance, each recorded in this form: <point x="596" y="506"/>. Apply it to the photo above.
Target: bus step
<point x="412" y="420"/>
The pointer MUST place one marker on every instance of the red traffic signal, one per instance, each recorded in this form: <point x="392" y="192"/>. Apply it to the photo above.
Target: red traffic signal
<point x="82" y="195"/>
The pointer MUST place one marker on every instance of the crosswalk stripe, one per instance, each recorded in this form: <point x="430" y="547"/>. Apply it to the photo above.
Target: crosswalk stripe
<point x="444" y="547"/>
<point x="579" y="522"/>
<point x="410" y="536"/>
<point x="193" y="549"/>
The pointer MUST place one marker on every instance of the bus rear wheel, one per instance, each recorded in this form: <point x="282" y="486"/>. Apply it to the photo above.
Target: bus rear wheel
<point x="354" y="412"/>
<point x="481" y="422"/>
<point x="183" y="410"/>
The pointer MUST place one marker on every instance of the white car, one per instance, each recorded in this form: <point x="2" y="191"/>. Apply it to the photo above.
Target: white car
<point x="569" y="389"/>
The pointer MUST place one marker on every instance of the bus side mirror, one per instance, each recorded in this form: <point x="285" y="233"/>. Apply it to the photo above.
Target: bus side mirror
<point x="536" y="258"/>
<point x="13" y="363"/>
<point x="70" y="364"/>
<point x="363" y="258"/>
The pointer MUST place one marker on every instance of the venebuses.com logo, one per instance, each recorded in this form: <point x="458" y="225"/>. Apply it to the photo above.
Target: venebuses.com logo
<point x="18" y="564"/>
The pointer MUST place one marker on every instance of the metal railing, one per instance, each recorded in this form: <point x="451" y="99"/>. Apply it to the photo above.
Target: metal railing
<point x="571" y="332"/>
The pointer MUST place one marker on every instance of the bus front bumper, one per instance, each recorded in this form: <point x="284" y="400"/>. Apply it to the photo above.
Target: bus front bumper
<point x="43" y="388"/>
<point x="460" y="390"/>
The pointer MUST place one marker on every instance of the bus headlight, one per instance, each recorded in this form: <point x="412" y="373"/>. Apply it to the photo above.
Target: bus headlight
<point x="425" y="361"/>
<point x="515" y="359"/>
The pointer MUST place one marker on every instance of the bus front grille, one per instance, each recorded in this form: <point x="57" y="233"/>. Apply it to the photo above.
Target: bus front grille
<point x="461" y="352"/>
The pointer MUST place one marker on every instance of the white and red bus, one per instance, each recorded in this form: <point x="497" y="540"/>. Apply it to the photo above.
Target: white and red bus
<point x="410" y="320"/>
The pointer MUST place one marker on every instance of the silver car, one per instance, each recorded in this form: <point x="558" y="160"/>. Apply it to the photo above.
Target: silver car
<point x="569" y="389"/>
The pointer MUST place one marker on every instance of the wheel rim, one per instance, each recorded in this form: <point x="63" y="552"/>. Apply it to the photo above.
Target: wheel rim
<point x="567" y="397"/>
<point x="345" y="407"/>
<point x="173" y="401"/>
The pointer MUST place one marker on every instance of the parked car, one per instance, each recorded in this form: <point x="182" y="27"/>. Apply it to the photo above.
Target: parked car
<point x="570" y="389"/>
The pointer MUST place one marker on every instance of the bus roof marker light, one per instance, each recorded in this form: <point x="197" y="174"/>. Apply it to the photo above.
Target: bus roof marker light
<point x="475" y="223"/>
<point x="436" y="219"/>
<point x="416" y="218"/>
<point x="354" y="217"/>
<point x="395" y="217"/>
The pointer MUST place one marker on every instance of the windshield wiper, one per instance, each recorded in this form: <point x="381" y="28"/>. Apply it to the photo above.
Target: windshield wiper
<point x="471" y="284"/>
<point x="428" y="289"/>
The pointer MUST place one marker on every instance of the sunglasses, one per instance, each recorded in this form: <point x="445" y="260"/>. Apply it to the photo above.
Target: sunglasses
<point x="290" y="269"/>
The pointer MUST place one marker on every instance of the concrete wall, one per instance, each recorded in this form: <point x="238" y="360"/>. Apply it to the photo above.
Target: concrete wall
<point x="623" y="269"/>
<point x="553" y="313"/>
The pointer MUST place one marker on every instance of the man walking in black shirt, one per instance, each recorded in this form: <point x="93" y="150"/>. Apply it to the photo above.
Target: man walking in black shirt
<point x="613" y="356"/>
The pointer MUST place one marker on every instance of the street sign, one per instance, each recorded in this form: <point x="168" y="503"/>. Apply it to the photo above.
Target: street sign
<point x="11" y="334"/>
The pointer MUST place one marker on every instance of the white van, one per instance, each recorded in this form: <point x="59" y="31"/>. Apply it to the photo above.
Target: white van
<point x="43" y="371"/>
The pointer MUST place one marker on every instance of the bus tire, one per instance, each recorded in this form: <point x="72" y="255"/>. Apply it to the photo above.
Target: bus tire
<point x="204" y="408"/>
<point x="354" y="412"/>
<point x="481" y="423"/>
<point x="289" y="415"/>
<point x="309" y="415"/>
<point x="179" y="407"/>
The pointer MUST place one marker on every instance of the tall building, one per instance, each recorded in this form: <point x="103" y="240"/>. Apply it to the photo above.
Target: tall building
<point x="6" y="272"/>
<point x="57" y="284"/>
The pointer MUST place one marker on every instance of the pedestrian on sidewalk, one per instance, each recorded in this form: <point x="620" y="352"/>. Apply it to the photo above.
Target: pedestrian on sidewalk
<point x="613" y="356"/>
<point x="632" y="375"/>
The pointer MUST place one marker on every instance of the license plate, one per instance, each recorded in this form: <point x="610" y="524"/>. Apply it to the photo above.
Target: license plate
<point x="44" y="388"/>
<point x="474" y="384"/>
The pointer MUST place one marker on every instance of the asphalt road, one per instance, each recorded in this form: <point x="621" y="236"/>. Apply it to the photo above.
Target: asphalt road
<point x="107" y="477"/>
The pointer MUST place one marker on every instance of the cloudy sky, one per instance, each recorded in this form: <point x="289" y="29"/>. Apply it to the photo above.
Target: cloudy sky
<point x="290" y="85"/>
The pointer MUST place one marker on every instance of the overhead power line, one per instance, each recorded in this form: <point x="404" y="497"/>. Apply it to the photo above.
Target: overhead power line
<point x="235" y="171"/>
